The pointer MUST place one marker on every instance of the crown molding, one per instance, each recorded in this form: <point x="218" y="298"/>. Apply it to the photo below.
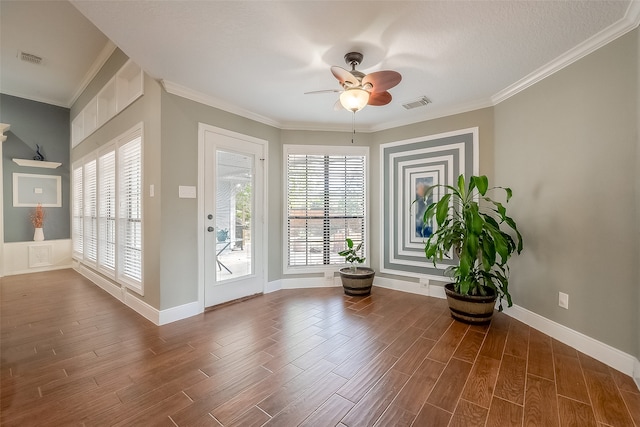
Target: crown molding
<point x="609" y="34"/>
<point x="35" y="98"/>
<point x="436" y="114"/>
<point x="185" y="92"/>
<point x="102" y="58"/>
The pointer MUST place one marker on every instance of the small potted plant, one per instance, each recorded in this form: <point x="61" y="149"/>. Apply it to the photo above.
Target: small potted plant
<point x="37" y="219"/>
<point x="356" y="280"/>
<point x="477" y="235"/>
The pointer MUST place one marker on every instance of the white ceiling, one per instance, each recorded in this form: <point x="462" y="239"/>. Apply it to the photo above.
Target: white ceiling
<point x="258" y="58"/>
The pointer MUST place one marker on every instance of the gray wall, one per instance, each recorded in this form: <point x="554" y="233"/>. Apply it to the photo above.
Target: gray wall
<point x="568" y="148"/>
<point x="48" y="126"/>
<point x="179" y="160"/>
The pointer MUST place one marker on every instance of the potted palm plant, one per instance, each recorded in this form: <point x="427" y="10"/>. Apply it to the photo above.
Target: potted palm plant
<point x="471" y="226"/>
<point x="356" y="280"/>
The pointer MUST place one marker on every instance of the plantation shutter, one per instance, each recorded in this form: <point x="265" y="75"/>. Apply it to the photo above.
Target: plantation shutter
<point x="107" y="211"/>
<point x="131" y="210"/>
<point x="325" y="204"/>
<point x="78" y="218"/>
<point x="90" y="229"/>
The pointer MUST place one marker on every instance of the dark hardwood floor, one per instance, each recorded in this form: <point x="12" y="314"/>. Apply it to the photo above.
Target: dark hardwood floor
<point x="73" y="355"/>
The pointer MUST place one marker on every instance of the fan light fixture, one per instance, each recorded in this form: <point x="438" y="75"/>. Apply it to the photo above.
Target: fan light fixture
<point x="354" y="99"/>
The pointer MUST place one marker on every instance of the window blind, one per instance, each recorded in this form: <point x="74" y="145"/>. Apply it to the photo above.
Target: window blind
<point x="78" y="217"/>
<point x="130" y="246"/>
<point x="90" y="230"/>
<point x="325" y="205"/>
<point x="107" y="211"/>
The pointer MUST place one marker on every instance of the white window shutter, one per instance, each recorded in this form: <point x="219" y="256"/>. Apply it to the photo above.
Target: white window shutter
<point x="77" y="217"/>
<point x="90" y="229"/>
<point x="107" y="211"/>
<point x="130" y="215"/>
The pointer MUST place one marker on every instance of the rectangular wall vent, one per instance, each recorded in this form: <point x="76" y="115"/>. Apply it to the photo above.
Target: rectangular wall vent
<point x="423" y="100"/>
<point x="29" y="57"/>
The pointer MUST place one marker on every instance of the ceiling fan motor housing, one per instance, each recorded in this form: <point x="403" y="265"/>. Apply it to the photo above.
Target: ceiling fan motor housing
<point x="353" y="58"/>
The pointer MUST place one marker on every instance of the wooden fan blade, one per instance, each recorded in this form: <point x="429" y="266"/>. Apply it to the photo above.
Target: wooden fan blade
<point x="323" y="91"/>
<point x="382" y="80"/>
<point x="379" y="98"/>
<point x="344" y="77"/>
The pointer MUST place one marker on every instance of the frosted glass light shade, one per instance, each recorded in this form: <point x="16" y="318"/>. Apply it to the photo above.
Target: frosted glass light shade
<point x="354" y="99"/>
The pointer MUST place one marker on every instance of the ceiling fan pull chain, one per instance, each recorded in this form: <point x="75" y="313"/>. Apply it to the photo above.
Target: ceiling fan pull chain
<point x="353" y="126"/>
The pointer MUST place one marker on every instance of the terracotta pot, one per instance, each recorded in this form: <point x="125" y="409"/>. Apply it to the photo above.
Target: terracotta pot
<point x="473" y="309"/>
<point x="357" y="283"/>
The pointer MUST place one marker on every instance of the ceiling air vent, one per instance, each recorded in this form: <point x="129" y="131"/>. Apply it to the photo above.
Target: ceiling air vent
<point x="423" y="100"/>
<point x="29" y="57"/>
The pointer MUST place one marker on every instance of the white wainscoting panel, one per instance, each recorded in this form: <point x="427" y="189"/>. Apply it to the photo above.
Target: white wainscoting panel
<point x="33" y="257"/>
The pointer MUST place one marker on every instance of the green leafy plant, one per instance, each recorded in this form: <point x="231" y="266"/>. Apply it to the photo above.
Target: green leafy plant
<point x="351" y="254"/>
<point x="476" y="234"/>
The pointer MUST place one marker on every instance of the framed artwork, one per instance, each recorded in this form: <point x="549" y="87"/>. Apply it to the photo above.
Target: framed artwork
<point x="409" y="168"/>
<point x="30" y="189"/>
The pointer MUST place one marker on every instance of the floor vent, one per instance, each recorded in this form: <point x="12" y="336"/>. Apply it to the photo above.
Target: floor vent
<point x="422" y="101"/>
<point x="29" y="57"/>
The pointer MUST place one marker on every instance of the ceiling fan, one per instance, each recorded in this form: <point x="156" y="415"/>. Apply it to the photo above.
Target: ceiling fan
<point x="359" y="89"/>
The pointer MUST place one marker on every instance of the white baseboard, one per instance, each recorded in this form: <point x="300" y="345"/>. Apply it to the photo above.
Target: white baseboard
<point x="106" y="285"/>
<point x="304" y="283"/>
<point x="157" y="317"/>
<point x="142" y="308"/>
<point x="606" y="354"/>
<point x="276" y="285"/>
<point x="425" y="287"/>
<point x="180" y="312"/>
<point x="120" y="293"/>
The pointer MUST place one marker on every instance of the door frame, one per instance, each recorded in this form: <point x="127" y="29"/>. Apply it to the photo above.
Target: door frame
<point x="203" y="128"/>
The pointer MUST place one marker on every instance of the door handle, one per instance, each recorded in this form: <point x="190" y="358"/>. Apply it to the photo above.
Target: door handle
<point x="210" y="229"/>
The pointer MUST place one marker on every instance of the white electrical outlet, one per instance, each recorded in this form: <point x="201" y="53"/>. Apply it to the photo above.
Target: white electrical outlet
<point x="563" y="300"/>
<point x="424" y="283"/>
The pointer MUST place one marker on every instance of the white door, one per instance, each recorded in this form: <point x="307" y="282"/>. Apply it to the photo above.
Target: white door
<point x="234" y="230"/>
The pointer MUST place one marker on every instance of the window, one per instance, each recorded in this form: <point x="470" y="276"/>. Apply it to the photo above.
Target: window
<point x="78" y="217"/>
<point x="90" y="230"/>
<point x="130" y="217"/>
<point x="107" y="209"/>
<point x="325" y="203"/>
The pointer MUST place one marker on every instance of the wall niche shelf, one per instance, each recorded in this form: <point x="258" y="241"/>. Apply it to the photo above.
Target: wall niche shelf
<point x="120" y="92"/>
<point x="36" y="163"/>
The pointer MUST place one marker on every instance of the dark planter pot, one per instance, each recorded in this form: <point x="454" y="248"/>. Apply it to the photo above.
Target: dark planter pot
<point x="358" y="283"/>
<point x="473" y="309"/>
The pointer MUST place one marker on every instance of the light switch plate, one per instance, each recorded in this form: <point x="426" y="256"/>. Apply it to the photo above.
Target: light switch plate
<point x="563" y="300"/>
<point x="187" y="192"/>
